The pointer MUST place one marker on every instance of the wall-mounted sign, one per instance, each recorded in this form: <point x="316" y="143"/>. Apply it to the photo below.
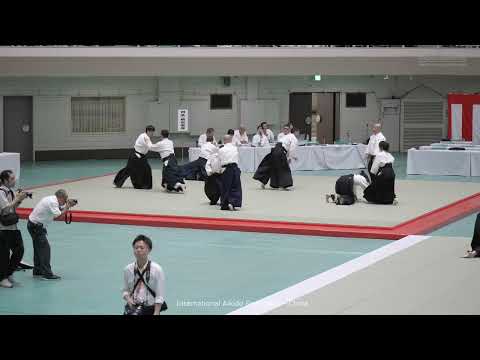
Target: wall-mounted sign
<point x="182" y="120"/>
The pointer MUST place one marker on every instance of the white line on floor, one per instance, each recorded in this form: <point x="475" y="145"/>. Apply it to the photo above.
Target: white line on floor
<point x="316" y="282"/>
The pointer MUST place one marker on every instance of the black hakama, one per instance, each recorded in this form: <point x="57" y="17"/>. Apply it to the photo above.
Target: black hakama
<point x="139" y="171"/>
<point x="344" y="190"/>
<point x="382" y="189"/>
<point x="476" y="236"/>
<point x="171" y="174"/>
<point x="275" y="168"/>
<point x="230" y="187"/>
<point x="195" y="170"/>
<point x="212" y="188"/>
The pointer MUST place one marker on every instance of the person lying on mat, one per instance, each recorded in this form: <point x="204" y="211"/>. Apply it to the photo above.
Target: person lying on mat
<point x="230" y="184"/>
<point x="475" y="252"/>
<point x="195" y="170"/>
<point x="382" y="187"/>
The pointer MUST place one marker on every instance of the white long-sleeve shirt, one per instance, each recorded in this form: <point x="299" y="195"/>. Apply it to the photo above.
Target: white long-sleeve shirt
<point x="228" y="154"/>
<point x="141" y="294"/>
<point x="143" y="144"/>
<point x="372" y="148"/>
<point x="289" y="142"/>
<point x="260" y="140"/>
<point x="270" y="135"/>
<point x="207" y="149"/>
<point x="164" y="147"/>
<point x="46" y="211"/>
<point x="381" y="160"/>
<point x="280" y="136"/>
<point x="214" y="165"/>
<point x="238" y="138"/>
<point x="202" y="140"/>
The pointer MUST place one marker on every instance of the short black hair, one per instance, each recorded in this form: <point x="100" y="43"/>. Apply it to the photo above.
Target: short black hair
<point x="165" y="133"/>
<point x="209" y="138"/>
<point x="383" y="145"/>
<point x="210" y="130"/>
<point x="5" y="175"/>
<point x="230" y="132"/>
<point x="259" y="127"/>
<point x="145" y="239"/>
<point x="150" y="128"/>
<point x="262" y="123"/>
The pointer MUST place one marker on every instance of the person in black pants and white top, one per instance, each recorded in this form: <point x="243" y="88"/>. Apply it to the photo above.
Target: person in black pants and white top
<point x="47" y="210"/>
<point x="10" y="236"/>
<point x="144" y="281"/>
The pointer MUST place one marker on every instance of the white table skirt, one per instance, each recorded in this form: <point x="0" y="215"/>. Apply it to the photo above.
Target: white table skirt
<point x="10" y="161"/>
<point x="309" y="158"/>
<point x="475" y="163"/>
<point x="438" y="162"/>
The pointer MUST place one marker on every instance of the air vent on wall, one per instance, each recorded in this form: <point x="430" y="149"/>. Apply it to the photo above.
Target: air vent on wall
<point x="442" y="61"/>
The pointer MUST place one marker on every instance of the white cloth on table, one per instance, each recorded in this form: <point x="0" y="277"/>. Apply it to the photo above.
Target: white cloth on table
<point x="10" y="161"/>
<point x="438" y="162"/>
<point x="475" y="163"/>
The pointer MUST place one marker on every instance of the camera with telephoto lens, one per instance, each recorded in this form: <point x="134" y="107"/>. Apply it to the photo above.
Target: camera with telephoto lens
<point x="29" y="194"/>
<point x="74" y="201"/>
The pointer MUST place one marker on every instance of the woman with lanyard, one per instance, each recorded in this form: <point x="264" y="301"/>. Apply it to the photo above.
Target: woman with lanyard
<point x="144" y="282"/>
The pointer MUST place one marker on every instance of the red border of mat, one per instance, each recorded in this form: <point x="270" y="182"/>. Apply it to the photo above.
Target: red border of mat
<point x="420" y="225"/>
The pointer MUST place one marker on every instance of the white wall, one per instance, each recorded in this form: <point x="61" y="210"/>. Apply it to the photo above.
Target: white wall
<point x="1" y="123"/>
<point x="52" y="121"/>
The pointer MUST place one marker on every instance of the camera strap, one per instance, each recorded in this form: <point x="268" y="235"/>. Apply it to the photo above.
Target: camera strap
<point x="142" y="279"/>
<point x="68" y="220"/>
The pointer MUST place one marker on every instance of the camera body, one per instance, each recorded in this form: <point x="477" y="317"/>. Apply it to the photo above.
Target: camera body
<point x="29" y="194"/>
<point x="74" y="201"/>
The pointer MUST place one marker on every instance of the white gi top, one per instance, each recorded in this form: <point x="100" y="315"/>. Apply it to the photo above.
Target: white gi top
<point x="372" y="148"/>
<point x="270" y="135"/>
<point x="46" y="211"/>
<point x="141" y="294"/>
<point x="207" y="150"/>
<point x="214" y="165"/>
<point x="202" y="140"/>
<point x="380" y="160"/>
<point x="280" y="136"/>
<point x="143" y="144"/>
<point x="238" y="138"/>
<point x="260" y="140"/>
<point x="228" y="154"/>
<point x="289" y="142"/>
<point x="164" y="147"/>
<point x="4" y="201"/>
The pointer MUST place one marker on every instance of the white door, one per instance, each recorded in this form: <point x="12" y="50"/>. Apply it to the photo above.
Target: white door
<point x="390" y="114"/>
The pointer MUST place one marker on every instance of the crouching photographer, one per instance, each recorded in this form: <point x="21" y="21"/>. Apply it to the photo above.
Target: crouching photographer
<point x="10" y="237"/>
<point x="144" y="282"/>
<point x="48" y="209"/>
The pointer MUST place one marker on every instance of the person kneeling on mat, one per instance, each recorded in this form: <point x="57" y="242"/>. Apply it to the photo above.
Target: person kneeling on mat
<point x="346" y="187"/>
<point x="212" y="186"/>
<point x="230" y="184"/>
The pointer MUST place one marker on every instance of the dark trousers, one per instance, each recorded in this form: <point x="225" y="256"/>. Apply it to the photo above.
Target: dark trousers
<point x="10" y="240"/>
<point x="41" y="249"/>
<point x="370" y="163"/>
<point x="476" y="235"/>
<point x="308" y="132"/>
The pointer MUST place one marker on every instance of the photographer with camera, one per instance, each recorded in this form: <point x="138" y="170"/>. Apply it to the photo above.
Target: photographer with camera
<point x="10" y="237"/>
<point x="47" y="210"/>
<point x="144" y="282"/>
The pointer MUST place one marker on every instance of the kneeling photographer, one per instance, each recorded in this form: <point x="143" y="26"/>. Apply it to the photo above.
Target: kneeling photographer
<point x="47" y="210"/>
<point x="10" y="237"/>
<point x="144" y="282"/>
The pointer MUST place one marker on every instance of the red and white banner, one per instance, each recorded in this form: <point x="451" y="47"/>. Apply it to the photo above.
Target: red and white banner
<point x="464" y="117"/>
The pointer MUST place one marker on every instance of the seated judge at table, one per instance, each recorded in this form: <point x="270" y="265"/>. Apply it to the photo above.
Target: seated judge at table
<point x="202" y="139"/>
<point x="240" y="136"/>
<point x="268" y="132"/>
<point x="260" y="139"/>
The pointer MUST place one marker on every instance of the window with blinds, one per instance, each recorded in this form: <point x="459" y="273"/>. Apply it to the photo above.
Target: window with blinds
<point x="98" y="115"/>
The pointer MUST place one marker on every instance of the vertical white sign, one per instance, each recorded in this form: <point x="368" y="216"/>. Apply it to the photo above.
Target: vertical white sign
<point x="182" y="120"/>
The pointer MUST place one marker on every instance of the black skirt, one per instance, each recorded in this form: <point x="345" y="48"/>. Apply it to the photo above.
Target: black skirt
<point x="139" y="171"/>
<point x="171" y="174"/>
<point x="212" y="188"/>
<point x="195" y="170"/>
<point x="275" y="168"/>
<point x="382" y="189"/>
<point x="231" y="187"/>
<point x="476" y="235"/>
